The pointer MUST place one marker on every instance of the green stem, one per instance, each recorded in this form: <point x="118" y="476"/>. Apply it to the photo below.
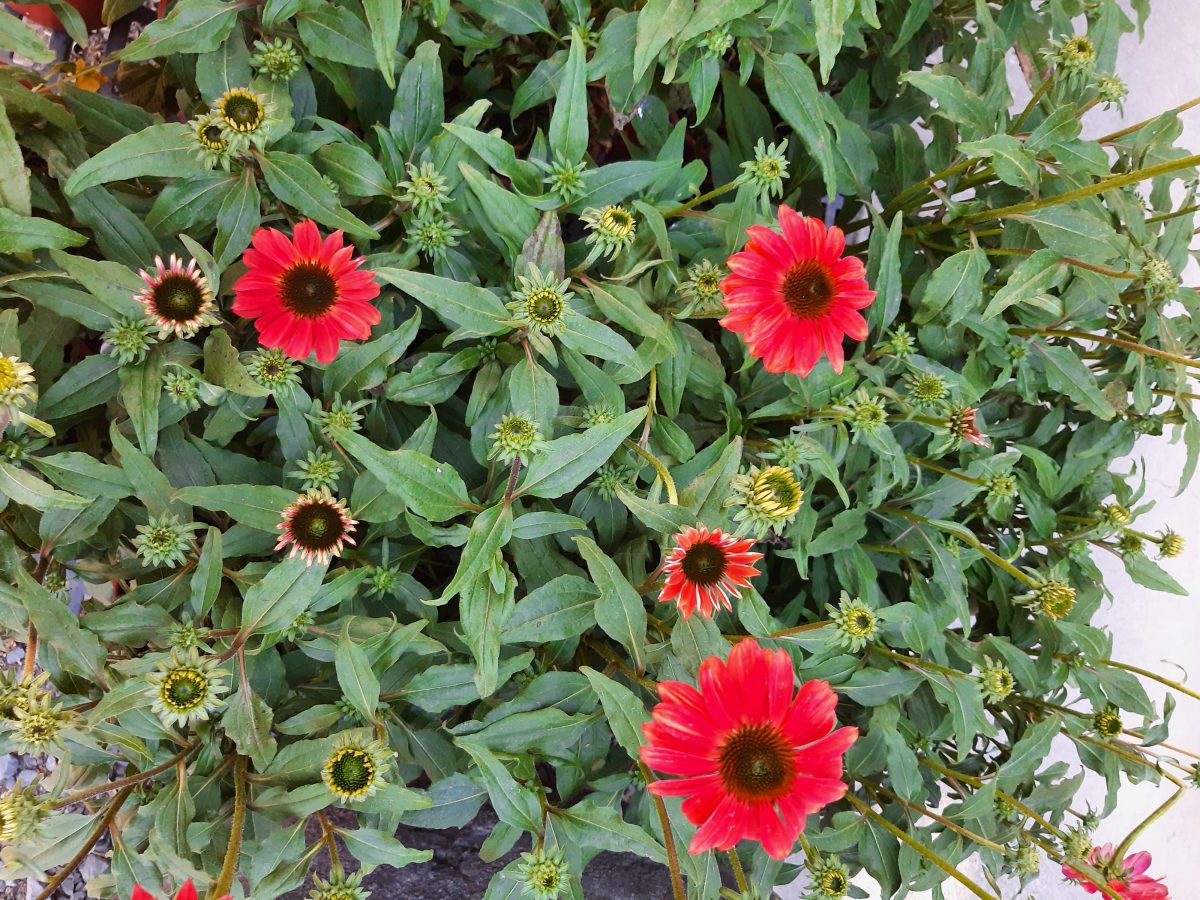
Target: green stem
<point x="1183" y="107"/>
<point x="668" y="839"/>
<point x="972" y="541"/>
<point x="1110" y="341"/>
<point x="920" y="848"/>
<point x="918" y="662"/>
<point x="234" y="848"/>
<point x="696" y="201"/>
<point x="739" y="874"/>
<point x="1091" y="190"/>
<point x="921" y="810"/>
<point x="1032" y="104"/>
<point x="898" y="201"/>
<point x="1174" y="685"/>
<point x="926" y="464"/>
<point x="127" y="781"/>
<point x="979" y="783"/>
<point x="62" y="874"/>
<point x="668" y="482"/>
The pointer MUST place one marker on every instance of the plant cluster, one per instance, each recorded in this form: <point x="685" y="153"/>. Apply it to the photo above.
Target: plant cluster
<point x="683" y="426"/>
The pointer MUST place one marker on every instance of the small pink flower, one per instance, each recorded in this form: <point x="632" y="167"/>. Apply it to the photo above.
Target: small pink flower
<point x="316" y="526"/>
<point x="1127" y="878"/>
<point x="176" y="297"/>
<point x="705" y="569"/>
<point x="961" y="424"/>
<point x="187" y="892"/>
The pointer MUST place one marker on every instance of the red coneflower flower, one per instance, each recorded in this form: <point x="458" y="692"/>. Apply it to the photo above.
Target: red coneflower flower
<point x="187" y="892"/>
<point x="706" y="569"/>
<point x="1126" y="878"/>
<point x="306" y="293"/>
<point x="793" y="296"/>
<point x="755" y="759"/>
<point x="317" y="526"/>
<point x="176" y="297"/>
<point x="962" y="425"/>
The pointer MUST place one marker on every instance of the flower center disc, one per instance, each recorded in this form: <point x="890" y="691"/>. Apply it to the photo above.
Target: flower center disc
<point x="178" y="299"/>
<point x="243" y="113"/>
<point x="704" y="563"/>
<point x="808" y="289"/>
<point x="317" y="526"/>
<point x="776" y="493"/>
<point x="8" y="374"/>
<point x="308" y="289"/>
<point x="352" y="771"/>
<point x="185" y="688"/>
<point x="544" y="307"/>
<point x="756" y="764"/>
<point x="618" y="222"/>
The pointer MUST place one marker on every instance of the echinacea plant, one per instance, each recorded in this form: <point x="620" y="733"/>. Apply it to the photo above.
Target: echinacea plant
<point x="686" y="428"/>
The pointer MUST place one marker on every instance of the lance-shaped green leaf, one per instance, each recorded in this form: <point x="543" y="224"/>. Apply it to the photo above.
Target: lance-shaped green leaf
<point x="619" y="609"/>
<point x="384" y="18"/>
<point x="17" y="36"/>
<point x="466" y="306"/>
<point x="192" y="26"/>
<point x="162" y="151"/>
<point x="793" y="92"/>
<point x="567" y="461"/>
<point x="489" y="533"/>
<point x="257" y="505"/>
<point x="1067" y="373"/>
<point x="282" y="594"/>
<point x="568" y="120"/>
<point x="247" y="721"/>
<point x="560" y="609"/>
<point x="141" y="389"/>
<point x="432" y="490"/>
<point x="78" y="650"/>
<point x="514" y="804"/>
<point x="623" y="708"/>
<point x="295" y="182"/>
<point x="589" y="824"/>
<point x="372" y="847"/>
<point x="355" y="677"/>
<point x="483" y="609"/>
<point x="592" y="338"/>
<point x="19" y="233"/>
<point x="28" y="490"/>
<point x="363" y="366"/>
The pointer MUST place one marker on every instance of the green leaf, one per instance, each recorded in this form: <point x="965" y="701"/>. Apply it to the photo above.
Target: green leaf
<point x="1028" y="753"/>
<point x="257" y="505"/>
<point x="15" y="35"/>
<point x="560" y="609"/>
<point x="372" y="847"/>
<point x="227" y="67"/>
<point x="282" y="594"/>
<point x="661" y="517"/>
<point x="356" y="171"/>
<point x="567" y="461"/>
<point x="1147" y="573"/>
<point x="591" y="338"/>
<point x="588" y="824"/>
<point x="1013" y="163"/>
<point x="658" y="21"/>
<point x="457" y="303"/>
<point x="336" y="34"/>
<point x="623" y="709"/>
<point x="238" y="216"/>
<point x="793" y="92"/>
<point x="514" y="804"/>
<point x="1033" y="276"/>
<point x="29" y="490"/>
<point x="247" y="722"/>
<point x="162" y="151"/>
<point x="568" y="120"/>
<point x="384" y="18"/>
<point x="432" y="490"/>
<point x="489" y="533"/>
<point x="512" y="16"/>
<point x="141" y="389"/>
<point x="295" y="182"/>
<point x="78" y="651"/>
<point x="619" y="610"/>
<point x="19" y="234"/>
<point x="365" y="366"/>
<point x="830" y="18"/>
<point x="957" y="282"/>
<point x="206" y="578"/>
<point x="1068" y="374"/>
<point x="955" y="102"/>
<point x="419" y="105"/>
<point x="355" y="677"/>
<point x="192" y="26"/>
<point x="874" y="687"/>
<point x="83" y="474"/>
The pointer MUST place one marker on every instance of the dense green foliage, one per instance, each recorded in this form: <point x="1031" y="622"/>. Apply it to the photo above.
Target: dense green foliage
<point x="494" y="628"/>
